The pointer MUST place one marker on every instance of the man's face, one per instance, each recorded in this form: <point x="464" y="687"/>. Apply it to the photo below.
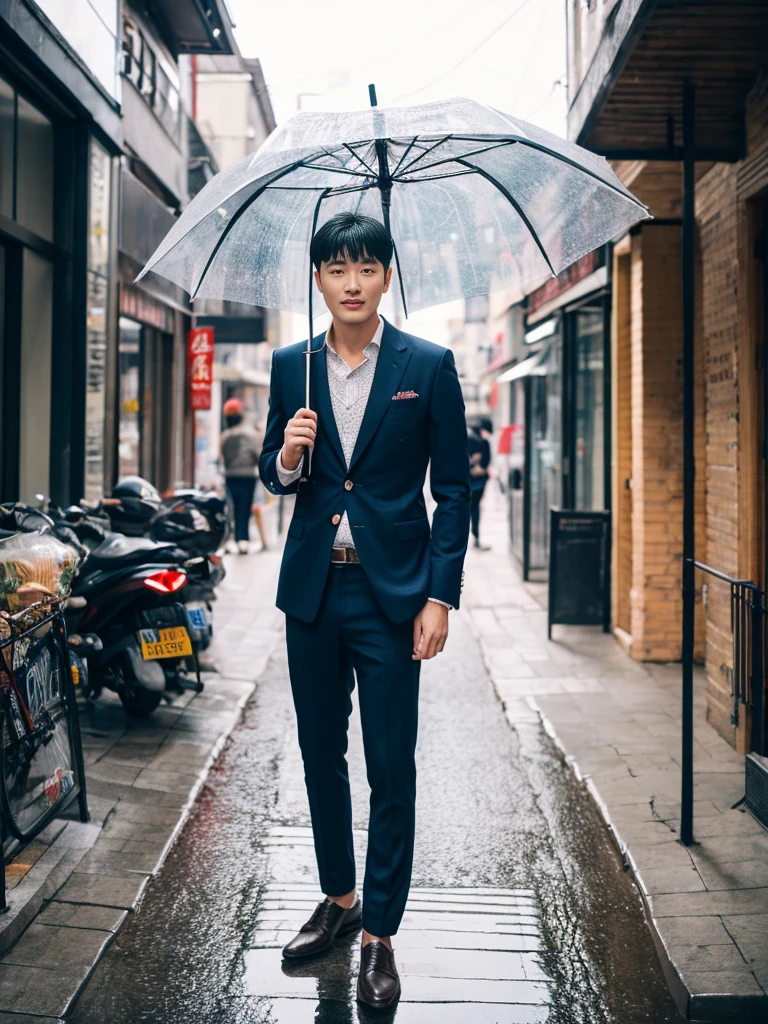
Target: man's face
<point x="352" y="291"/>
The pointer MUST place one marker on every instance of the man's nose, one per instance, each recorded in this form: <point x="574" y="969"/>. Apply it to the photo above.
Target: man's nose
<point x="352" y="284"/>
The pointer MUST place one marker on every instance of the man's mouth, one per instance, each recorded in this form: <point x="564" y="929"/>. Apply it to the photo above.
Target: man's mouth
<point x="352" y="303"/>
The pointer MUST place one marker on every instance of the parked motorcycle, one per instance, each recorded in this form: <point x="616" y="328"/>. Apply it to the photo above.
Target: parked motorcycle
<point x="129" y="594"/>
<point x="192" y="520"/>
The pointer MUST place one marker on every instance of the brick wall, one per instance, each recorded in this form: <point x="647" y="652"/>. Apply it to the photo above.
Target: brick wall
<point x="726" y="215"/>
<point x="657" y="481"/>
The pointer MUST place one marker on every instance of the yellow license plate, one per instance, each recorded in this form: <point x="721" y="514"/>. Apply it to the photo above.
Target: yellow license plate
<point x="165" y="643"/>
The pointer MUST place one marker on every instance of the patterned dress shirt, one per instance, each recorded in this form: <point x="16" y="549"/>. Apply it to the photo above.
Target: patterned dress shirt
<point x="349" y="390"/>
<point x="349" y="396"/>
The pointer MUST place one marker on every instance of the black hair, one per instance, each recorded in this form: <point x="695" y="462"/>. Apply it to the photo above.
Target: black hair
<point x="233" y="419"/>
<point x="351" y="236"/>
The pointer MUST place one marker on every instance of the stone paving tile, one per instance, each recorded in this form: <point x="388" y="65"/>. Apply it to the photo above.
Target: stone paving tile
<point x="703" y="931"/>
<point x="103" y="890"/>
<point x="73" y="915"/>
<point x="38" y="991"/>
<point x="740" y="874"/>
<point x="723" y="902"/>
<point x="749" y="932"/>
<point x="56" y="948"/>
<point x="671" y="880"/>
<point x="619" y="723"/>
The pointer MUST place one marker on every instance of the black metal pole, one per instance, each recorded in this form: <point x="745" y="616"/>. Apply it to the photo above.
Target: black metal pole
<point x="689" y="465"/>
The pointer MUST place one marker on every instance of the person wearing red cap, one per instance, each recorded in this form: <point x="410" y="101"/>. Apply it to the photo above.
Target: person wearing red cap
<point x="240" y="449"/>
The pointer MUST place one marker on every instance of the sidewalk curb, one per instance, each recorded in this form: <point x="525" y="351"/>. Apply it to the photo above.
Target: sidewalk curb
<point x="73" y="839"/>
<point x="713" y="1009"/>
<point x="56" y="867"/>
<point x="184" y="814"/>
<point x="708" y="1009"/>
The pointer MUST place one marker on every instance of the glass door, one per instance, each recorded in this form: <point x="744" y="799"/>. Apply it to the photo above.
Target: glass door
<point x="588" y="409"/>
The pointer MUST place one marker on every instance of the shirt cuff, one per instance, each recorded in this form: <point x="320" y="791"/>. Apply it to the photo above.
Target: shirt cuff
<point x="436" y="600"/>
<point x="287" y="476"/>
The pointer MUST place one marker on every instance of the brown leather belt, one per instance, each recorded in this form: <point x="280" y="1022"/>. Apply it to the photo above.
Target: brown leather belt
<point x="340" y="556"/>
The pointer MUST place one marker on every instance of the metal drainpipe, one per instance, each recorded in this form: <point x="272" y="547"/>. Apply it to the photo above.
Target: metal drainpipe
<point x="689" y="466"/>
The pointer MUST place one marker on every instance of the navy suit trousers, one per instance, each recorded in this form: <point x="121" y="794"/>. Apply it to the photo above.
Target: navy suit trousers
<point x="352" y="637"/>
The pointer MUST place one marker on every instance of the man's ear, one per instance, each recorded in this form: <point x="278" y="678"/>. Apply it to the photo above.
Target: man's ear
<point x="387" y="279"/>
<point x="317" y="281"/>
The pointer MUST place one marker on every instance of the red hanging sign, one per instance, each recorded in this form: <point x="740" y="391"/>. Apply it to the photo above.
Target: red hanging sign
<point x="200" y="367"/>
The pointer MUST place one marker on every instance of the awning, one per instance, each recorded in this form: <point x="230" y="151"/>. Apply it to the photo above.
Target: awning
<point x="236" y="375"/>
<point x="533" y="366"/>
<point x="197" y="26"/>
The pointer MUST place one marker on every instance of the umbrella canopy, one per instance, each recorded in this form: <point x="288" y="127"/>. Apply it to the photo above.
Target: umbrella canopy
<point x="475" y="200"/>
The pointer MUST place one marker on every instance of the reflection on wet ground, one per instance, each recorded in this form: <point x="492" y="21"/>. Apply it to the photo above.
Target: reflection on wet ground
<point x="520" y="910"/>
<point x="456" y="946"/>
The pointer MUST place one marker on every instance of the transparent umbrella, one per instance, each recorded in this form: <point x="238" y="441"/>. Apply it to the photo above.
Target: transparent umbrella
<point x="476" y="201"/>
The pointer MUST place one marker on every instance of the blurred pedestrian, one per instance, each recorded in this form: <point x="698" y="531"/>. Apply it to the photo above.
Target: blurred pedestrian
<point x="365" y="585"/>
<point x="240" y="448"/>
<point x="479" y="436"/>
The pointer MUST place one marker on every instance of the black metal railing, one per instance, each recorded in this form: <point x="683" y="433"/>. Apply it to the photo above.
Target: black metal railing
<point x="749" y="629"/>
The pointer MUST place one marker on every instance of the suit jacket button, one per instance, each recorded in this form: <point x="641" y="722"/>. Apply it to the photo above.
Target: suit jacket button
<point x="336" y="519"/>
<point x="348" y="485"/>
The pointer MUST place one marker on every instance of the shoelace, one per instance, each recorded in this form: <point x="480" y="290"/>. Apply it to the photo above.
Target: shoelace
<point x="378" y="958"/>
<point x="321" y="916"/>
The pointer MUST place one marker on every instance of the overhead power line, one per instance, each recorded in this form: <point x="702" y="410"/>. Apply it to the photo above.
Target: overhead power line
<point x="465" y="58"/>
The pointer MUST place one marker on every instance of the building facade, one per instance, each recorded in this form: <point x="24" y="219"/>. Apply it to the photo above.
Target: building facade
<point x="93" y="169"/>
<point x="651" y="83"/>
<point x="233" y="115"/>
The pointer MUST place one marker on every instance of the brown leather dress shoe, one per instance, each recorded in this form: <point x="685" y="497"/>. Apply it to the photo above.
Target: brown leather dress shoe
<point x="328" y="922"/>
<point x="378" y="984"/>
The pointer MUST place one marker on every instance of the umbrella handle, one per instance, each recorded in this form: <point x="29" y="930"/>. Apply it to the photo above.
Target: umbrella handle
<point x="307" y="451"/>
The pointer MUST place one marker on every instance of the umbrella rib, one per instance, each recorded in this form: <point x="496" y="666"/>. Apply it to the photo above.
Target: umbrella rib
<point x="406" y="151"/>
<point x="336" y="170"/>
<point x="440" y="142"/>
<point x="357" y="156"/>
<point x="583" y="169"/>
<point x="453" y="159"/>
<point x="515" y="205"/>
<point x="433" y="177"/>
<point x="235" y="218"/>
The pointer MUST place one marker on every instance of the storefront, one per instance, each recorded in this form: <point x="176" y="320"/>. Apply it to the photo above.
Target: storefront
<point x="560" y="444"/>
<point x="59" y="133"/>
<point x="153" y="414"/>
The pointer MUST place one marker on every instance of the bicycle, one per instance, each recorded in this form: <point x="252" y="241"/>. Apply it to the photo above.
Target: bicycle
<point x="41" y="768"/>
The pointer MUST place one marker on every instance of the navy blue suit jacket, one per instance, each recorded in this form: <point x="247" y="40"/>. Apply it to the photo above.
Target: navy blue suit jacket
<point x="404" y="562"/>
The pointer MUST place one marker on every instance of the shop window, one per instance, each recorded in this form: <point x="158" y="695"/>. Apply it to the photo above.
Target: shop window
<point x="129" y="432"/>
<point x="97" y="295"/>
<point x="35" y="391"/>
<point x="34" y="169"/>
<point x="589" y="432"/>
<point x="143" y="67"/>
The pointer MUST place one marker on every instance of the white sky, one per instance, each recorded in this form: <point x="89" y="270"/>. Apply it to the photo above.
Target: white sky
<point x="507" y="53"/>
<point x="409" y="49"/>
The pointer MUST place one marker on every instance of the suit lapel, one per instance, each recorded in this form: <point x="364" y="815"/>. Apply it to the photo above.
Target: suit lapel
<point x="394" y="357"/>
<point x="321" y="397"/>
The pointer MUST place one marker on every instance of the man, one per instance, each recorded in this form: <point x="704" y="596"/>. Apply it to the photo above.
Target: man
<point x="240" y="447"/>
<point x="365" y="587"/>
<point x="479" y="461"/>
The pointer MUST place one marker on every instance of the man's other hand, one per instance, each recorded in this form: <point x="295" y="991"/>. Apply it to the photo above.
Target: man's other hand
<point x="299" y="434"/>
<point x="430" y="631"/>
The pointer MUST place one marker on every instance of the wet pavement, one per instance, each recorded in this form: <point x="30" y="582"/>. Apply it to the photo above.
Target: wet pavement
<point x="520" y="910"/>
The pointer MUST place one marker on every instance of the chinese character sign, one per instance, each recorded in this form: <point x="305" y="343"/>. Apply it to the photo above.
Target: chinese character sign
<point x="200" y="367"/>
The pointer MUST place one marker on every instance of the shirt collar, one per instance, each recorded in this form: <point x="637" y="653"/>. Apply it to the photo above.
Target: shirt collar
<point x="370" y="349"/>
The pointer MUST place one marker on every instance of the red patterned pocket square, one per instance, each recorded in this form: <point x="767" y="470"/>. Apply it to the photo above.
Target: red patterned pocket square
<point x="403" y="395"/>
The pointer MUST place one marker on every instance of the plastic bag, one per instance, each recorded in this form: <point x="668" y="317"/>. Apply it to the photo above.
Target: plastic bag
<point x="33" y="567"/>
